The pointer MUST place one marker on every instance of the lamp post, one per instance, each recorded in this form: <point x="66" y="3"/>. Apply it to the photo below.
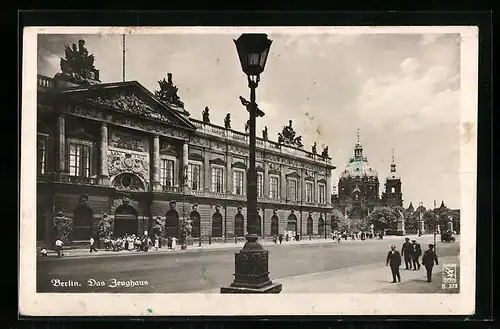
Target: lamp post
<point x="252" y="262"/>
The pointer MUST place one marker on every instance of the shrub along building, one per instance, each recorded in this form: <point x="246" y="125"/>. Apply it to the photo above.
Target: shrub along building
<point x="120" y="150"/>
<point x="358" y="187"/>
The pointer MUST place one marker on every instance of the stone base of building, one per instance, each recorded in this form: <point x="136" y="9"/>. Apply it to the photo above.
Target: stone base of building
<point x="272" y="288"/>
<point x="400" y="232"/>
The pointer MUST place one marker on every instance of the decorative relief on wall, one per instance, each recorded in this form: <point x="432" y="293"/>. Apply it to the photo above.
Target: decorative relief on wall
<point x="195" y="140"/>
<point x="121" y="162"/>
<point x="126" y="141"/>
<point x="239" y="165"/>
<point x="322" y="181"/>
<point x="274" y="169"/>
<point x="167" y="147"/>
<point x="293" y="174"/>
<point x="129" y="102"/>
<point x="128" y="182"/>
<point x="196" y="157"/>
<point x="124" y="121"/>
<point x="218" y="156"/>
<point x="218" y="161"/>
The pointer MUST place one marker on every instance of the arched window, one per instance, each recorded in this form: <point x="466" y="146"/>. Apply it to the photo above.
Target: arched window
<point x="126" y="221"/>
<point x="321" y="226"/>
<point x="238" y="225"/>
<point x="195" y="223"/>
<point x="217" y="225"/>
<point x="83" y="221"/>
<point x="274" y="225"/>
<point x="309" y="226"/>
<point x="292" y="224"/>
<point x="172" y="223"/>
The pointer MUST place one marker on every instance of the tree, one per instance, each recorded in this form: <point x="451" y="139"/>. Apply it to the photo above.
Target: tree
<point x="411" y="220"/>
<point x="338" y="221"/>
<point x="105" y="227"/>
<point x="63" y="227"/>
<point x="383" y="218"/>
<point x="429" y="218"/>
<point x="158" y="227"/>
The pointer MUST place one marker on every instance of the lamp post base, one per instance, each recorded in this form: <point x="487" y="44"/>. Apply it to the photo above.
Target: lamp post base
<point x="251" y="271"/>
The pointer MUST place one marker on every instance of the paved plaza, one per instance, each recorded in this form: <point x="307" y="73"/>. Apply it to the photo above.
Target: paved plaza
<point x="318" y="266"/>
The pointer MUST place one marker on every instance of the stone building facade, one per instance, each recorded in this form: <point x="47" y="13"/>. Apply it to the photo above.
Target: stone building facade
<point x="358" y="192"/>
<point x="120" y="150"/>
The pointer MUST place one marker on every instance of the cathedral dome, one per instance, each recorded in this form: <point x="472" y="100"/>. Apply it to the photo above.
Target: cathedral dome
<point x="359" y="167"/>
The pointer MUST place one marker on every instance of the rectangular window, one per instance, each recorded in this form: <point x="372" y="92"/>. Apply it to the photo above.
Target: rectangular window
<point x="194" y="176"/>
<point x="260" y="185"/>
<point x="218" y="179"/>
<point x="167" y="173"/>
<point x="321" y="193"/>
<point x="309" y="192"/>
<point x="238" y="182"/>
<point x="292" y="190"/>
<point x="41" y="154"/>
<point x="79" y="159"/>
<point x="274" y="183"/>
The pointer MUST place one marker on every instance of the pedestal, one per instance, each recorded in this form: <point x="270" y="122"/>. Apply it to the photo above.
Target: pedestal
<point x="251" y="271"/>
<point x="422" y="227"/>
<point x="401" y="228"/>
<point x="450" y="226"/>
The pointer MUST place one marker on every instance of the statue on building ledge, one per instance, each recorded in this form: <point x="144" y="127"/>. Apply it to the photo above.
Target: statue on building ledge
<point x="78" y="66"/>
<point x="314" y="148"/>
<point x="206" y="115"/>
<point x="287" y="136"/>
<point x="247" y="126"/>
<point x="168" y="92"/>
<point x="324" y="154"/>
<point x="227" y="121"/>
<point x="264" y="133"/>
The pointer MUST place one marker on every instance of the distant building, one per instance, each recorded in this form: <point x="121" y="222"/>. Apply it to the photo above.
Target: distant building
<point x="358" y="187"/>
<point x="118" y="149"/>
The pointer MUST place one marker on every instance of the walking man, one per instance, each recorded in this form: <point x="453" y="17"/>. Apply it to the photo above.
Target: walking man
<point x="92" y="246"/>
<point x="59" y="247"/>
<point x="416" y="253"/>
<point x="394" y="261"/>
<point x="428" y="261"/>
<point x="406" y="251"/>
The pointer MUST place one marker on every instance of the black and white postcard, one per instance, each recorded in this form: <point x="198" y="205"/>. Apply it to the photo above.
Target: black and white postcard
<point x="248" y="171"/>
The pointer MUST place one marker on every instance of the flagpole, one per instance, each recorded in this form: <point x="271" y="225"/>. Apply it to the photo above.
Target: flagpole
<point x="123" y="59"/>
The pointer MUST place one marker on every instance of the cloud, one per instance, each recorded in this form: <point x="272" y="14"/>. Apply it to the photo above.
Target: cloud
<point x="409" y="100"/>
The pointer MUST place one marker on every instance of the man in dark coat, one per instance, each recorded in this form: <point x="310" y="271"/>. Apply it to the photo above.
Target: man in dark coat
<point x="407" y="251"/>
<point x="416" y="253"/>
<point x="428" y="261"/>
<point x="394" y="261"/>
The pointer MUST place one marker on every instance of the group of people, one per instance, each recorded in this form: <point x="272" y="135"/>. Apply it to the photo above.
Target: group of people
<point x="411" y="252"/>
<point x="136" y="242"/>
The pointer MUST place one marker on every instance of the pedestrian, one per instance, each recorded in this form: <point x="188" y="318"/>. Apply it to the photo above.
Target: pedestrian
<point x="416" y="253"/>
<point x="91" y="245"/>
<point x="394" y="261"/>
<point x="428" y="261"/>
<point x="406" y="251"/>
<point x="275" y="239"/>
<point x="157" y="243"/>
<point x="280" y="237"/>
<point x="43" y="252"/>
<point x="59" y="247"/>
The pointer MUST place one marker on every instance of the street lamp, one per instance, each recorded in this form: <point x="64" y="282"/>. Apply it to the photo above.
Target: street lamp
<point x="252" y="262"/>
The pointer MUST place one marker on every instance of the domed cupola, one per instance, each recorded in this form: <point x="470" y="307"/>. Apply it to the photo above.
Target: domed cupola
<point x="358" y="166"/>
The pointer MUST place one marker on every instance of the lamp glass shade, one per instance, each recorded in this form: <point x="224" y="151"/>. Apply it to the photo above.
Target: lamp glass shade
<point x="253" y="50"/>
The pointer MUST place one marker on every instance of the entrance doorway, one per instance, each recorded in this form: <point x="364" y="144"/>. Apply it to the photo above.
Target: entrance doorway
<point x="125" y="221"/>
<point x="172" y="224"/>
<point x="291" y="225"/>
<point x="274" y="225"/>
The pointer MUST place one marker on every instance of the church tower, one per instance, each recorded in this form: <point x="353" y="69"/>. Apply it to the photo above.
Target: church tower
<point x="392" y="194"/>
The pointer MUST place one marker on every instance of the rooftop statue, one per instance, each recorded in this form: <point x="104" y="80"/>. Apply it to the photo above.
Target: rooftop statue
<point x="78" y="64"/>
<point x="264" y="133"/>
<point x="324" y="154"/>
<point x="247" y="126"/>
<point x="314" y="148"/>
<point x="227" y="121"/>
<point x="168" y="92"/>
<point x="287" y="136"/>
<point x="206" y="115"/>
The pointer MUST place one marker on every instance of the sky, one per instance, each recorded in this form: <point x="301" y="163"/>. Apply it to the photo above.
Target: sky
<point x="402" y="91"/>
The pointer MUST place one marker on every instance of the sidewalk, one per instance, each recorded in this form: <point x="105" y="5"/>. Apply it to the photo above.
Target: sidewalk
<point x="214" y="246"/>
<point x="372" y="278"/>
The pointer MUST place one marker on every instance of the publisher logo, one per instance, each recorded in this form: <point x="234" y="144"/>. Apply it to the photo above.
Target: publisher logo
<point x="450" y="273"/>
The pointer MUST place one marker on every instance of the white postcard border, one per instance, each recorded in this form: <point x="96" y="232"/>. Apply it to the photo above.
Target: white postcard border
<point x="88" y="304"/>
